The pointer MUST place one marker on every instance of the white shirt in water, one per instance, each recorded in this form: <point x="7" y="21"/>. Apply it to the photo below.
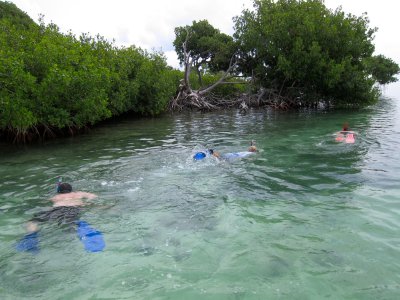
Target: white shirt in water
<point x="237" y="154"/>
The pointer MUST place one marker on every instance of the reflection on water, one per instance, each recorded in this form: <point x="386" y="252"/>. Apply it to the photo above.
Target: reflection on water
<point x="304" y="218"/>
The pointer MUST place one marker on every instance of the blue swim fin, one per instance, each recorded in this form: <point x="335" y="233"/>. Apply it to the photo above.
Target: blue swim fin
<point x="91" y="238"/>
<point x="29" y="243"/>
<point x="199" y="156"/>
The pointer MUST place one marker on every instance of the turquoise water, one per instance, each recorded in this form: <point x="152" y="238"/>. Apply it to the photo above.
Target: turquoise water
<point x="305" y="218"/>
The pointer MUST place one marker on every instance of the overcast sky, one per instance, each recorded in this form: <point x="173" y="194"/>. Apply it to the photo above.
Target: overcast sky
<point x="150" y="24"/>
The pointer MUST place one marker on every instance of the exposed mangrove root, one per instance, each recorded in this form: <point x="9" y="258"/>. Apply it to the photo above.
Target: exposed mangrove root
<point x="38" y="134"/>
<point x="204" y="99"/>
<point x="263" y="98"/>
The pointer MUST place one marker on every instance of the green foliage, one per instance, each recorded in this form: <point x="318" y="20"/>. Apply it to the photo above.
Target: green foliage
<point x="232" y="88"/>
<point x="72" y="82"/>
<point x="11" y="12"/>
<point x="157" y="84"/>
<point x="16" y="83"/>
<point x="209" y="48"/>
<point x="54" y="80"/>
<point x="382" y="69"/>
<point x="309" y="52"/>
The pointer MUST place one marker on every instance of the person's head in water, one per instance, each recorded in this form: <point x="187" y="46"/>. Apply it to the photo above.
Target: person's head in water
<point x="252" y="147"/>
<point x="64" y="188"/>
<point x="345" y="126"/>
<point x="213" y="153"/>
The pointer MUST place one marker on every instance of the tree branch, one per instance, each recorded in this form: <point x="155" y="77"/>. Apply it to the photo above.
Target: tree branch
<point x="232" y="64"/>
<point x="188" y="62"/>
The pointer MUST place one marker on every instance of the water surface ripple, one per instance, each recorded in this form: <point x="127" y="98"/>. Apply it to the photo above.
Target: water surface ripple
<point x="304" y="218"/>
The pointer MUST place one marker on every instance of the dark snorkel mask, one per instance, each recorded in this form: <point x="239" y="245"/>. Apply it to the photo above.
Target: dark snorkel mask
<point x="63" y="188"/>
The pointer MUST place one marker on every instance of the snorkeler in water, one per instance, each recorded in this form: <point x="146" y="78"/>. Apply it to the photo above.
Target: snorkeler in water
<point x="66" y="207"/>
<point x="345" y="135"/>
<point x="66" y="210"/>
<point x="227" y="156"/>
<point x="203" y="154"/>
<point x="252" y="147"/>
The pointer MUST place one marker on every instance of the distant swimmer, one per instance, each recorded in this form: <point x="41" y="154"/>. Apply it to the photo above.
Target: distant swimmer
<point x="252" y="147"/>
<point x="65" y="211"/>
<point x="345" y="135"/>
<point x="207" y="153"/>
<point x="251" y="150"/>
<point x="211" y="153"/>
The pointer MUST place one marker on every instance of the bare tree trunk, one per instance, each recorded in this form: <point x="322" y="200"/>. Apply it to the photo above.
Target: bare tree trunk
<point x="186" y="96"/>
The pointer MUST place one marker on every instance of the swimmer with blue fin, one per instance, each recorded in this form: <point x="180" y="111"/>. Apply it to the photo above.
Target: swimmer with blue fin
<point x="65" y="211"/>
<point x="207" y="153"/>
<point x="227" y="156"/>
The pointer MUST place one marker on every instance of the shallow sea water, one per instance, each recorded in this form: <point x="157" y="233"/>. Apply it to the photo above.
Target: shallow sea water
<point x="304" y="218"/>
